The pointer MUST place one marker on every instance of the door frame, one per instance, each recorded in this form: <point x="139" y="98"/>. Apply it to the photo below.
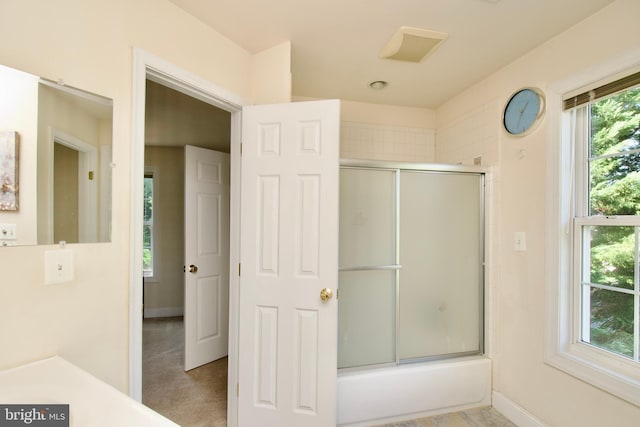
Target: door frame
<point x="87" y="190"/>
<point x="147" y="65"/>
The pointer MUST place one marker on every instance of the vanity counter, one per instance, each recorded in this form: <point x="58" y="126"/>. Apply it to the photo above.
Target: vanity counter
<point x="91" y="401"/>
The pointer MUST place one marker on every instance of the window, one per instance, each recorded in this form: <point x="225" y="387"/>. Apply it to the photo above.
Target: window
<point x="593" y="239"/>
<point x="147" y="227"/>
<point x="607" y="223"/>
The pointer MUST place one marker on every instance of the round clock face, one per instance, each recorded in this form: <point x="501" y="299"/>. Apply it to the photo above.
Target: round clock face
<point x="522" y="111"/>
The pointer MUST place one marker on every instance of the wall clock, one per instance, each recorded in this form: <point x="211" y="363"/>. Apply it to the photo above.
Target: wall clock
<point x="524" y="111"/>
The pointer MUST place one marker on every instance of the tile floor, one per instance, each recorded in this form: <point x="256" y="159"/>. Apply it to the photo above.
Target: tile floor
<point x="480" y="417"/>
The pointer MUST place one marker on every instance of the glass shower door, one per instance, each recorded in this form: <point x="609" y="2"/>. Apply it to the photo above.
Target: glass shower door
<point x="411" y="265"/>
<point x="441" y="251"/>
<point x="368" y="258"/>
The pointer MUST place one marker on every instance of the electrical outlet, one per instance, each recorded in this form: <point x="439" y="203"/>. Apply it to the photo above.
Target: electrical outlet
<point x="8" y="232"/>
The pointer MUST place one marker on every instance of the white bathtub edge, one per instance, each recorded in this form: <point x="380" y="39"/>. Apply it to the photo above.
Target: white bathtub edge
<point x="414" y="391"/>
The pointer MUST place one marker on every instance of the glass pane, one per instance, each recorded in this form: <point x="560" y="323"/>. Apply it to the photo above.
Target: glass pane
<point x="148" y="199"/>
<point x="366" y="318"/>
<point x="146" y="236"/>
<point x="146" y="259"/>
<point x="611" y="325"/>
<point x="367" y="217"/>
<point x="614" y="124"/>
<point x="615" y="185"/>
<point x="611" y="250"/>
<point x="147" y="254"/>
<point x="440" y="252"/>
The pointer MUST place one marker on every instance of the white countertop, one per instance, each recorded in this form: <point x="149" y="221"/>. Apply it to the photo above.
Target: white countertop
<point x="91" y="401"/>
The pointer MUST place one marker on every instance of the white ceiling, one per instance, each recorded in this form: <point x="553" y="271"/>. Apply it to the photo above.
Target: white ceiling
<point x="335" y="43"/>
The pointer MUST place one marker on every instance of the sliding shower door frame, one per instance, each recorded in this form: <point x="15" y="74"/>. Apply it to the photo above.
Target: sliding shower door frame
<point x="397" y="168"/>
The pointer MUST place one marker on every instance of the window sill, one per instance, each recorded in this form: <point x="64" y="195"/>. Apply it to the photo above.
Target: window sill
<point x="151" y="279"/>
<point x="601" y="369"/>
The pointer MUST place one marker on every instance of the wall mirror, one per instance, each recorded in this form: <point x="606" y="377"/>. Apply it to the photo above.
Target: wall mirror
<point x="55" y="162"/>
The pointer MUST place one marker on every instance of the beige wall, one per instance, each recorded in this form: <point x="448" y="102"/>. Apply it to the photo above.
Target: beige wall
<point x="272" y="65"/>
<point x="164" y="293"/>
<point x="518" y="280"/>
<point x="391" y="115"/>
<point x="89" y="44"/>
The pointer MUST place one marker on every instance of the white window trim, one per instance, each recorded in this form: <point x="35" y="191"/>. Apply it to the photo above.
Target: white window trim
<point x="563" y="348"/>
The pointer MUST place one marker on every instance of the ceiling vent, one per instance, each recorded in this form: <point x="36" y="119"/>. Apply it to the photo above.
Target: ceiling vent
<point x="412" y="44"/>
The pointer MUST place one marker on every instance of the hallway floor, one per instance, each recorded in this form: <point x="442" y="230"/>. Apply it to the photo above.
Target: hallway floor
<point x="197" y="398"/>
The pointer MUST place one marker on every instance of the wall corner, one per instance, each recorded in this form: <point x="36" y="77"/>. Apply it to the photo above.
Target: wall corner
<point x="271" y="75"/>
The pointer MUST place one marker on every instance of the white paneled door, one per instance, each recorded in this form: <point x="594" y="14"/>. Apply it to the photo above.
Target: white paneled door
<point x="206" y="312"/>
<point x="289" y="264"/>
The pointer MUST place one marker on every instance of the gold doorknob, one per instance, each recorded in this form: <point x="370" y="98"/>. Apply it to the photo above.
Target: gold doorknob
<point x="193" y="268"/>
<point x="326" y="294"/>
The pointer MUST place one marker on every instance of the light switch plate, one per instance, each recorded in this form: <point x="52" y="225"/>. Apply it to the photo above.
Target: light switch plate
<point x="58" y="266"/>
<point x="520" y="241"/>
<point x="8" y="232"/>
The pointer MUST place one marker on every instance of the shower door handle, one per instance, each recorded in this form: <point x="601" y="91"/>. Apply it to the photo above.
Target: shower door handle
<point x="326" y="294"/>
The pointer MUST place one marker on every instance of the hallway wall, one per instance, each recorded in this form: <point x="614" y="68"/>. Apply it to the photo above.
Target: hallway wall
<point x="164" y="293"/>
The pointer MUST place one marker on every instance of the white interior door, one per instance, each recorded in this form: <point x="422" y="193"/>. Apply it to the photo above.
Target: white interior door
<point x="289" y="254"/>
<point x="206" y="305"/>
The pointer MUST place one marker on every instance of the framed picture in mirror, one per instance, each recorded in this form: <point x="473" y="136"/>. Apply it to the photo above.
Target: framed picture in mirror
<point x="9" y="161"/>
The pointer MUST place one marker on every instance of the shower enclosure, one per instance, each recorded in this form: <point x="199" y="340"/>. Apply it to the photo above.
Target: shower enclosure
<point x="411" y="263"/>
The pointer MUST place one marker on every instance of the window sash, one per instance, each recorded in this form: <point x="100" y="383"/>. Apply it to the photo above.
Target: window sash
<point x="582" y="288"/>
<point x="582" y="219"/>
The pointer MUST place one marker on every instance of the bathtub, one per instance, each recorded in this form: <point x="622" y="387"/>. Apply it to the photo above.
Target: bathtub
<point x="384" y="395"/>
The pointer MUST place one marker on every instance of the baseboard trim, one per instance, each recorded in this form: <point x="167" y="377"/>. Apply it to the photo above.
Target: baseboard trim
<point x="514" y="412"/>
<point x="163" y="312"/>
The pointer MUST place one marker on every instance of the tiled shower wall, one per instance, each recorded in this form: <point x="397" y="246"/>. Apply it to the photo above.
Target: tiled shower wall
<point x="384" y="142"/>
<point x="474" y="135"/>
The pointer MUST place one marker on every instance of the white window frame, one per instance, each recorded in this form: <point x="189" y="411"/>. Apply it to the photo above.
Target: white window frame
<point x="564" y="348"/>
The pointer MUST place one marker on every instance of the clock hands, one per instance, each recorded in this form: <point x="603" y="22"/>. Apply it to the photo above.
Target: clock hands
<point x="522" y="113"/>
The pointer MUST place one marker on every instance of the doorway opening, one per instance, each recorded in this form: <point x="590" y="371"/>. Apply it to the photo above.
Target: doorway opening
<point x="74" y="190"/>
<point x="149" y="66"/>
<point x="185" y="310"/>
